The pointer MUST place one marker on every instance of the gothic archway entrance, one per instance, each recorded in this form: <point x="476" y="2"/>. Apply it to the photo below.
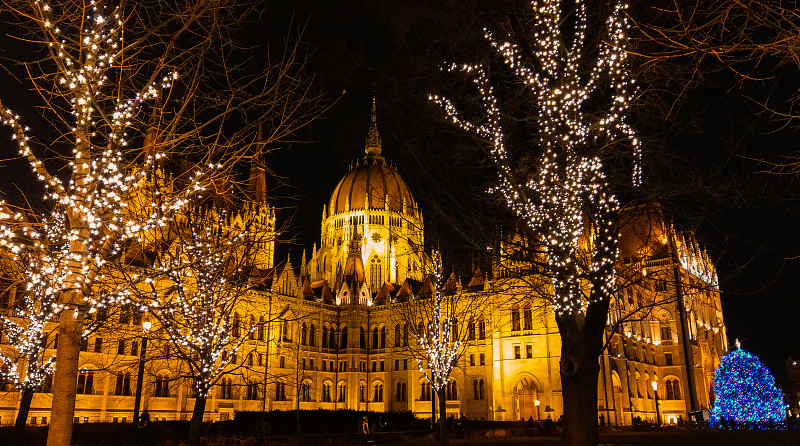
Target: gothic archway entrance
<point x="526" y="396"/>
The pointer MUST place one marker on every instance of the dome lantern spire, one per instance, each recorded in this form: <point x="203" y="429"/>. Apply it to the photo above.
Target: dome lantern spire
<point x="373" y="146"/>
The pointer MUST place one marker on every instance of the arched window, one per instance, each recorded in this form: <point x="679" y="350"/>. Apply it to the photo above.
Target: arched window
<point x="670" y="394"/>
<point x="324" y="337"/>
<point x="261" y="328"/>
<point x="397" y="337"/>
<point x="420" y="331"/>
<point x="638" y="384"/>
<point x="286" y="335"/>
<point x="481" y="328"/>
<point x="378" y="394"/>
<point x="471" y="330"/>
<point x="304" y="334"/>
<point x="305" y="391"/>
<point x="252" y="390"/>
<point x="332" y="337"/>
<point x="376" y="272"/>
<point x="673" y="388"/>
<point x="383" y="337"/>
<point x="236" y="322"/>
<point x="454" y="329"/>
<point x="342" y="392"/>
<point x="400" y="394"/>
<point x="326" y="392"/>
<point x="225" y="389"/>
<point x="527" y="318"/>
<point x="312" y="335"/>
<point x="162" y="385"/>
<point x="425" y="391"/>
<point x="515" y="326"/>
<point x="280" y="391"/>
<point x="375" y="337"/>
<point x="343" y="338"/>
<point x="123" y="386"/>
<point x="362" y="392"/>
<point x="452" y="392"/>
<point x="362" y="340"/>
<point x="252" y="329"/>
<point x="405" y="335"/>
<point x="480" y="388"/>
<point x="475" y="389"/>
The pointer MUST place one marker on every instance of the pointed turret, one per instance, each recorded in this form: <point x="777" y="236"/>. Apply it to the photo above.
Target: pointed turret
<point x="373" y="146"/>
<point x="257" y="184"/>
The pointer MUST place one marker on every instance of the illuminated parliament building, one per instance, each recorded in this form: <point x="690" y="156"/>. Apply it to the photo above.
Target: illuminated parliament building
<point x="321" y="335"/>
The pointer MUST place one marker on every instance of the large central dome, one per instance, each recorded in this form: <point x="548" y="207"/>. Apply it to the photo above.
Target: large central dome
<point x="371" y="185"/>
<point x="372" y="230"/>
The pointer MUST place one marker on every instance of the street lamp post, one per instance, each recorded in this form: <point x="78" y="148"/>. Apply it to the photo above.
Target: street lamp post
<point x="655" y="392"/>
<point x="140" y="374"/>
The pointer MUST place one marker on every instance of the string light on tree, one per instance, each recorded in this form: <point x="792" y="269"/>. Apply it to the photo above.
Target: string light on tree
<point x="93" y="198"/>
<point x="567" y="199"/>
<point x="440" y="348"/>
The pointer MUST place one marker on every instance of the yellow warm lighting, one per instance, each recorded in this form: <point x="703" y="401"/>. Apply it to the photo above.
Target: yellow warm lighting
<point x="146" y="325"/>
<point x="655" y="386"/>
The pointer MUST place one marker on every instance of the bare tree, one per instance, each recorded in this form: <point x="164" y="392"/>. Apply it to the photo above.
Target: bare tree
<point x="204" y="273"/>
<point x="102" y="66"/>
<point x="441" y="321"/>
<point x="755" y="41"/>
<point x="578" y="82"/>
<point x="30" y="265"/>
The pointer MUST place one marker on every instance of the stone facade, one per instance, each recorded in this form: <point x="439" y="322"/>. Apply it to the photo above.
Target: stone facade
<point x="325" y="338"/>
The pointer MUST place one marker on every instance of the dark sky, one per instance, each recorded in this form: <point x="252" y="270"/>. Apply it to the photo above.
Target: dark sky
<point x="702" y="147"/>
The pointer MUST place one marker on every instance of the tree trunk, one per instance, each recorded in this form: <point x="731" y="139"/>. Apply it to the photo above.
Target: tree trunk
<point x="579" y="373"/>
<point x="196" y="424"/>
<point x="433" y="411"/>
<point x="442" y="416"/>
<point x="65" y="378"/>
<point x="22" y="415"/>
<point x="581" y="346"/>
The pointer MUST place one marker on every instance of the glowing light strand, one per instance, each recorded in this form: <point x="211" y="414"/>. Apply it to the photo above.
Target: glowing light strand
<point x="570" y="189"/>
<point x="439" y="349"/>
<point x="97" y="201"/>
<point x="202" y="284"/>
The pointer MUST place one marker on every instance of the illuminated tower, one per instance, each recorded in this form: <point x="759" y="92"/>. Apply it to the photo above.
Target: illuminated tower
<point x="372" y="203"/>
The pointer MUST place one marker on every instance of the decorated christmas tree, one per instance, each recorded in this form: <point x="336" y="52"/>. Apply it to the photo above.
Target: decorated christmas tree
<point x="745" y="392"/>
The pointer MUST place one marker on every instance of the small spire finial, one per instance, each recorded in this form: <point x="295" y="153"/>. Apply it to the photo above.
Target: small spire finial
<point x="373" y="147"/>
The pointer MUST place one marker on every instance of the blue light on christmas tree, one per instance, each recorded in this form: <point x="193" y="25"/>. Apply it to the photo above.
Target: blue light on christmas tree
<point x="745" y="393"/>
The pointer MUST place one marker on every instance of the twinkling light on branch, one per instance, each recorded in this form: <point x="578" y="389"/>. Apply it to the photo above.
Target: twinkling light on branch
<point x="568" y="200"/>
<point x="35" y="262"/>
<point x="439" y="348"/>
<point x="201" y="282"/>
<point x="95" y="204"/>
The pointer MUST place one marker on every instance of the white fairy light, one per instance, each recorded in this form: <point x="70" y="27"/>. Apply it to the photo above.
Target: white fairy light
<point x="99" y="208"/>
<point x="568" y="200"/>
<point x="439" y="350"/>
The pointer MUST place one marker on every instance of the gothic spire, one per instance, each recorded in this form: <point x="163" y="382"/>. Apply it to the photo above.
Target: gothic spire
<point x="257" y="183"/>
<point x="373" y="146"/>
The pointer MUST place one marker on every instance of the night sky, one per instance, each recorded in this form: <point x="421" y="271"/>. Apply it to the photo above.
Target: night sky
<point x="703" y="148"/>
